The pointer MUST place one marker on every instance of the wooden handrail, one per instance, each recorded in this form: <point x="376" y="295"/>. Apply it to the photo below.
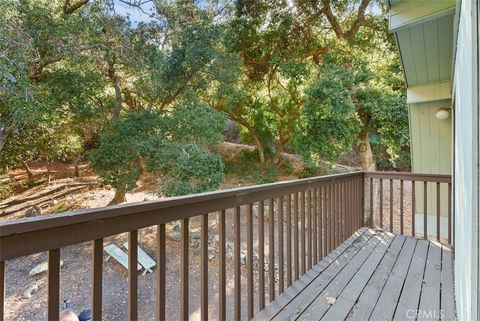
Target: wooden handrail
<point x="440" y="178"/>
<point x="32" y="235"/>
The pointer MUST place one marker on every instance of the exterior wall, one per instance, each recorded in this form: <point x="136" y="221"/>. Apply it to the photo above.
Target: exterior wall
<point x="431" y="148"/>
<point x="466" y="157"/>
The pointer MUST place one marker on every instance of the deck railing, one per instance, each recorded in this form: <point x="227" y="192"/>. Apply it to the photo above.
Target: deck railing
<point x="294" y="225"/>
<point x="409" y="203"/>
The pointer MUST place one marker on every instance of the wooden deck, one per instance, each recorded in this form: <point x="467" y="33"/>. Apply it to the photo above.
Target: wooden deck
<point x="373" y="276"/>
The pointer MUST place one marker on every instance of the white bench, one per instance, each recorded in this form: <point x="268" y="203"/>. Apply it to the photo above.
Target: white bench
<point x="146" y="261"/>
<point x="122" y="258"/>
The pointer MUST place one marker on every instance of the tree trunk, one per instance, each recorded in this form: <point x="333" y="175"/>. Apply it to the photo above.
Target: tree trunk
<point x="259" y="146"/>
<point x="118" y="92"/>
<point x="31" y="181"/>
<point x="253" y="135"/>
<point x="3" y="137"/>
<point x="142" y="168"/>
<point x="282" y="142"/>
<point x="76" y="167"/>
<point x="48" y="167"/>
<point x="118" y="198"/>
<point x="365" y="151"/>
<point x="368" y="164"/>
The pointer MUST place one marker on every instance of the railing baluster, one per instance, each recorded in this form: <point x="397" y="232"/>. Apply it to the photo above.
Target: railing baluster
<point x="161" y="268"/>
<point x="401" y="207"/>
<point x="289" y="240"/>
<point x="340" y="211"/>
<point x="372" y="212"/>
<point x="280" y="246"/>
<point x="335" y="215"/>
<point x="237" y="283"/>
<point x="320" y="233"/>
<point x="391" y="205"/>
<point x="438" y="211"/>
<point x="309" y="229"/>
<point x="222" y="313"/>
<point x="449" y="213"/>
<point x="413" y="209"/>
<point x="184" y="311"/>
<point x="344" y="211"/>
<point x="302" y="231"/>
<point x="204" y="268"/>
<point x="354" y="203"/>
<point x="250" y="298"/>
<point x="381" y="203"/>
<point x="325" y="220"/>
<point x="2" y="290"/>
<point x="97" y="274"/>
<point x="359" y="202"/>
<point x="295" y="237"/>
<point x="351" y="217"/>
<point x="349" y="211"/>
<point x="53" y="287"/>
<point x="261" y="255"/>
<point x="132" y="275"/>
<point x="425" y="221"/>
<point x="271" y="249"/>
<point x="332" y="217"/>
<point x="314" y="226"/>
<point x="330" y="225"/>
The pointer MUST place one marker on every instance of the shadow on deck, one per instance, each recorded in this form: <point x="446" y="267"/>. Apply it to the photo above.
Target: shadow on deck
<point x="373" y="275"/>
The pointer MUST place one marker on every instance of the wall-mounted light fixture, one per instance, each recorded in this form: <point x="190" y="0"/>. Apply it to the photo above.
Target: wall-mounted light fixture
<point x="443" y="113"/>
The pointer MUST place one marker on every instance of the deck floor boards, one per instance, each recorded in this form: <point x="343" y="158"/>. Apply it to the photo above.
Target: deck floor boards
<point x="373" y="275"/>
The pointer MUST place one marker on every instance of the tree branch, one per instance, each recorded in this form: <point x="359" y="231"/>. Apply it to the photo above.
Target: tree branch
<point x="69" y="8"/>
<point x="327" y="9"/>
<point x="359" y="20"/>
<point x="332" y="19"/>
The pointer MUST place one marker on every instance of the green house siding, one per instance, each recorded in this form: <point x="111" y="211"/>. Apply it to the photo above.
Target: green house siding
<point x="431" y="138"/>
<point x="431" y="148"/>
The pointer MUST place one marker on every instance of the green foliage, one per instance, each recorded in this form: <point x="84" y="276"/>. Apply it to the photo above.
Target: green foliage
<point x="6" y="187"/>
<point x="171" y="145"/>
<point x="247" y="168"/>
<point x="187" y="168"/>
<point x="118" y="158"/>
<point x="140" y="96"/>
<point x="329" y="125"/>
